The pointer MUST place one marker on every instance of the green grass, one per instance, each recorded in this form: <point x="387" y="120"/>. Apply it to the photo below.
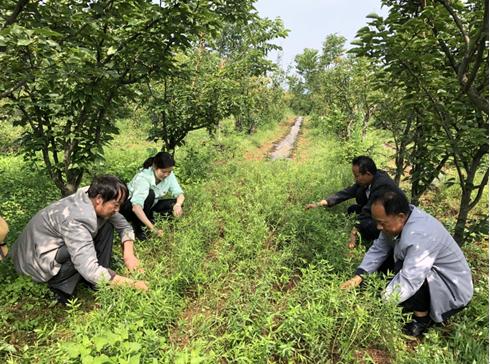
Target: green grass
<point x="246" y="276"/>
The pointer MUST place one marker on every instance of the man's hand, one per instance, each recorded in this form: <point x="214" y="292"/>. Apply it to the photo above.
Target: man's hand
<point x="130" y="260"/>
<point x="311" y="206"/>
<point x="352" y="283"/>
<point x="317" y="204"/>
<point x="158" y="232"/>
<point x="123" y="281"/>
<point x="178" y="210"/>
<point x="353" y="239"/>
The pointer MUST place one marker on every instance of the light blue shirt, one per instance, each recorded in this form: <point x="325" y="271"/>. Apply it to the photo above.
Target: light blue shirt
<point x="143" y="181"/>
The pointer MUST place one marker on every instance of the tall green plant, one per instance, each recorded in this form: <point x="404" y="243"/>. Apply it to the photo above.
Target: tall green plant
<point x="243" y="48"/>
<point x="223" y="75"/>
<point x="193" y="98"/>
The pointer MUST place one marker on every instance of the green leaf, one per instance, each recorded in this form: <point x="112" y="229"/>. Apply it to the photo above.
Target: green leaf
<point x="24" y="42"/>
<point x="102" y="359"/>
<point x="100" y="342"/>
<point x="111" y="50"/>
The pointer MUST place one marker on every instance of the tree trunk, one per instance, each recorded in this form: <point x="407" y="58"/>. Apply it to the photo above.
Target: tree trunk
<point x="415" y="193"/>
<point x="464" y="209"/>
<point x="467" y="186"/>
<point x="400" y="165"/>
<point x="238" y="123"/>
<point x="402" y="149"/>
<point x="365" y="121"/>
<point x="70" y="186"/>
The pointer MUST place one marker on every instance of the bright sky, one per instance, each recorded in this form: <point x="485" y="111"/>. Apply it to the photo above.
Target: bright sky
<point x="310" y="21"/>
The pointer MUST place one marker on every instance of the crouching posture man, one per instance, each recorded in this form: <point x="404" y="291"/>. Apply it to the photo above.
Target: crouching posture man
<point x="432" y="278"/>
<point x="368" y="180"/>
<point x="72" y="239"/>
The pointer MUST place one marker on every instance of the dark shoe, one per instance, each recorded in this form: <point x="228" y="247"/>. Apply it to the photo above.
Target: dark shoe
<point x="416" y="328"/>
<point x="87" y="284"/>
<point x="60" y="296"/>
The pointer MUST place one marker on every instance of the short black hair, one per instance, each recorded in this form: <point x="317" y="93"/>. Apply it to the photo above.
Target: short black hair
<point x="393" y="200"/>
<point x="365" y="164"/>
<point x="109" y="188"/>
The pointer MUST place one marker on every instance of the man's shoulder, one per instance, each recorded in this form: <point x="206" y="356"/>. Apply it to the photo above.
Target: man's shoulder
<point x="420" y="217"/>
<point x="422" y="226"/>
<point x="380" y="174"/>
<point x="382" y="178"/>
<point x="76" y="207"/>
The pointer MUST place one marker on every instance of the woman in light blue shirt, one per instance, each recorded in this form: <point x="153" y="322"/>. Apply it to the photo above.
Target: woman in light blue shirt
<point x="147" y="192"/>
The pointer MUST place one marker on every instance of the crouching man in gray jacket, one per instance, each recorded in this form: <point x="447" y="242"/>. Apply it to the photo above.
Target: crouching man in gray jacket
<point x="72" y="239"/>
<point x="432" y="277"/>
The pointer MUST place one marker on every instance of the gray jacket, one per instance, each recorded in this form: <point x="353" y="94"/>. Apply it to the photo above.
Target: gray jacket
<point x="72" y="222"/>
<point x="429" y="252"/>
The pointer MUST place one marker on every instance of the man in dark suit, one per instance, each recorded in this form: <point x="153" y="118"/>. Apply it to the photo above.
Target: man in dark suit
<point x="368" y="180"/>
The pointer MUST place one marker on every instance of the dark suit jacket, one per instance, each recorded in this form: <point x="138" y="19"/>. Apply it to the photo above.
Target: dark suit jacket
<point x="381" y="181"/>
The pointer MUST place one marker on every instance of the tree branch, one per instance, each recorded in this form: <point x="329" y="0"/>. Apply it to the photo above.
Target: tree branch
<point x="15" y="13"/>
<point x="11" y="90"/>
<point x="443" y="116"/>
<point x="458" y="22"/>
<point x="481" y="187"/>
<point x="476" y="65"/>
<point x="478" y="45"/>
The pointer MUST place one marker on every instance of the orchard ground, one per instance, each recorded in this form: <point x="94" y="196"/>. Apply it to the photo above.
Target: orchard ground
<point x="246" y="276"/>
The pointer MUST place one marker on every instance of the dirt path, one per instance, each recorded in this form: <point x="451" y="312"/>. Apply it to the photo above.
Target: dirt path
<point x="265" y="150"/>
<point x="262" y="152"/>
<point x="284" y="148"/>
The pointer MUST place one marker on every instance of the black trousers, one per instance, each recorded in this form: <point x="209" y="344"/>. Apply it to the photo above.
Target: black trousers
<point x="68" y="277"/>
<point x="420" y="301"/>
<point x="164" y="207"/>
<point x="367" y="227"/>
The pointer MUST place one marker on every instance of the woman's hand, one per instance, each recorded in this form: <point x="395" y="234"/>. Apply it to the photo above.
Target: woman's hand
<point x="158" y="232"/>
<point x="132" y="263"/>
<point x="141" y="285"/>
<point x="178" y="210"/>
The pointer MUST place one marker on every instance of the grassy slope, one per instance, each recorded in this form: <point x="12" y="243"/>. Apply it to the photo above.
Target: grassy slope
<point x="245" y="276"/>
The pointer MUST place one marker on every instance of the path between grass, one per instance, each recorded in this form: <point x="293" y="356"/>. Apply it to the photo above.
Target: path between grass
<point x="212" y="302"/>
<point x="262" y="152"/>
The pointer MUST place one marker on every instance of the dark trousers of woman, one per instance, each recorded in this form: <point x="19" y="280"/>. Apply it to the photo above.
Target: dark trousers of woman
<point x="164" y="207"/>
<point x="68" y="277"/>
